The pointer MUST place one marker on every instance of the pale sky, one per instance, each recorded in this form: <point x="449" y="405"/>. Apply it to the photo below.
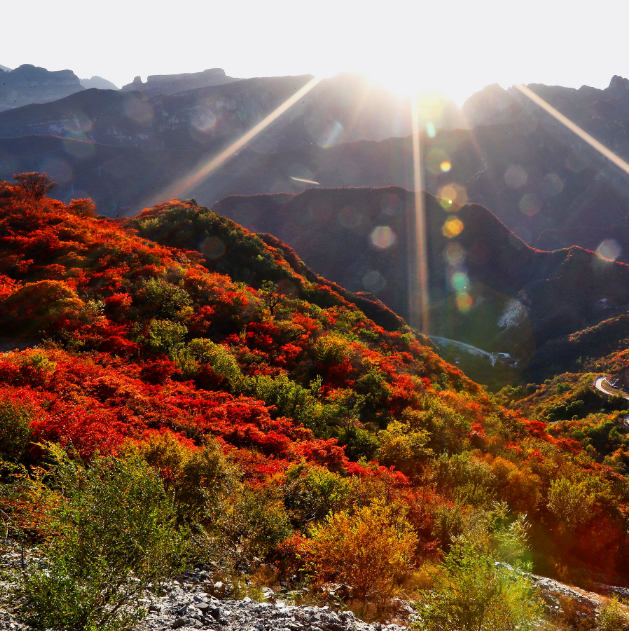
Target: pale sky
<point x="454" y="46"/>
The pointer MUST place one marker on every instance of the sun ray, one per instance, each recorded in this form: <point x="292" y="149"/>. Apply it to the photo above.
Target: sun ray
<point x="601" y="148"/>
<point x="418" y="272"/>
<point x="188" y="182"/>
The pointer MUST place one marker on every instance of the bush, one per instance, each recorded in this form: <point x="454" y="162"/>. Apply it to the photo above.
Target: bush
<point x="15" y="429"/>
<point x="571" y="502"/>
<point x="249" y="527"/>
<point x="612" y="616"/>
<point x="162" y="336"/>
<point x="367" y="549"/>
<point x="476" y="591"/>
<point x="115" y="535"/>
<point x="311" y="492"/>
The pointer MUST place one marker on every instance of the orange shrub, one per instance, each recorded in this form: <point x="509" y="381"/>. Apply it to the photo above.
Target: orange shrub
<point x="366" y="549"/>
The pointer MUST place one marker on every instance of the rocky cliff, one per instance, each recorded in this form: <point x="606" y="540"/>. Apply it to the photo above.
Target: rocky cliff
<point x="30" y="84"/>
<point x="173" y="83"/>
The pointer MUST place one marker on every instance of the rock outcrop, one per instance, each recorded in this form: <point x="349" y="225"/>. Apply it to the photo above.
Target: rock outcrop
<point x="30" y="84"/>
<point x="174" y="83"/>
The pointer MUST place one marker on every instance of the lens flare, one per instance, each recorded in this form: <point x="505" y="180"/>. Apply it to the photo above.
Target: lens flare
<point x="459" y="281"/>
<point x="454" y="254"/>
<point x="350" y="218"/>
<point x="451" y="194"/>
<point x="446" y="165"/>
<point x="304" y="181"/>
<point x="452" y="227"/>
<point x="609" y="249"/>
<point x="212" y="248"/>
<point x="516" y="176"/>
<point x="530" y="204"/>
<point x="553" y="184"/>
<point x="78" y="148"/>
<point x="202" y="171"/>
<point x="374" y="281"/>
<point x="418" y="298"/>
<point x="383" y="237"/>
<point x="464" y="301"/>
<point x="430" y="130"/>
<point x="435" y="158"/>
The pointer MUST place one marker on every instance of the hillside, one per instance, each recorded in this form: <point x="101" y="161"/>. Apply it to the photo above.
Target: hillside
<point x="143" y="342"/>
<point x="517" y="299"/>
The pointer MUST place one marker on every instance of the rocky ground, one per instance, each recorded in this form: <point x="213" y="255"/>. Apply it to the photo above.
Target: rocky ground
<point x="194" y="601"/>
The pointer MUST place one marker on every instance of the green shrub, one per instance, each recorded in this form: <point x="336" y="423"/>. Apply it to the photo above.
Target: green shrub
<point x="115" y="535"/>
<point x="162" y="336"/>
<point x="571" y="502"/>
<point x="311" y="492"/>
<point x="249" y="527"/>
<point x="15" y="429"/>
<point x="476" y="590"/>
<point x="163" y="299"/>
<point x="202" y="351"/>
<point x="613" y="616"/>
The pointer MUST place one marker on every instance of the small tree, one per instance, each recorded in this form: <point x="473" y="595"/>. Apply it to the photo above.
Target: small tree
<point x="367" y="549"/>
<point x="115" y="535"/>
<point x="37" y="185"/>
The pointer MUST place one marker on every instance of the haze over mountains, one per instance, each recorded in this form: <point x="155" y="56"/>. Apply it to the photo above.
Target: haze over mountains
<point x="126" y="148"/>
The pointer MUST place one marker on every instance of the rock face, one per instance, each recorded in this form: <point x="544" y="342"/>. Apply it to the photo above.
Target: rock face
<point x="173" y="83"/>
<point x="99" y="83"/>
<point x="30" y="84"/>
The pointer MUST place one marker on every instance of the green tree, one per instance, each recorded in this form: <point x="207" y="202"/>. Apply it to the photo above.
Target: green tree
<point x="115" y="535"/>
<point x="477" y="590"/>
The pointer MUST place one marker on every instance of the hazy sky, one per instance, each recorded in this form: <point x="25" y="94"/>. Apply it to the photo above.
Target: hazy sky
<point x="455" y="46"/>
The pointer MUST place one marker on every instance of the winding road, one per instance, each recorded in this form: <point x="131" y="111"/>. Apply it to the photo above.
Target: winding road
<point x="601" y="383"/>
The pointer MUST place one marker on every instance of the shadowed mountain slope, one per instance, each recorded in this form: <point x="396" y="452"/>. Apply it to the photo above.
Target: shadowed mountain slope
<point x="515" y="298"/>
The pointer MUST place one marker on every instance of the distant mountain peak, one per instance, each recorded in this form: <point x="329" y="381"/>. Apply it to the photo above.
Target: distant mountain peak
<point x="174" y="83"/>
<point x="99" y="83"/>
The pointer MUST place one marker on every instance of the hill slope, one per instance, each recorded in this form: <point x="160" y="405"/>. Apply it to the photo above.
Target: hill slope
<point x="145" y="343"/>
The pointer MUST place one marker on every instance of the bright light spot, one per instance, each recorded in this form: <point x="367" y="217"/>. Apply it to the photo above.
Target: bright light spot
<point x="430" y="130"/>
<point x="459" y="281"/>
<point x="464" y="301"/>
<point x="212" y="248"/>
<point x="609" y="249"/>
<point x="383" y="237"/>
<point x="452" y="193"/>
<point x="374" y="281"/>
<point x="454" y="253"/>
<point x="530" y="204"/>
<point x="435" y="158"/>
<point x="452" y="227"/>
<point x="516" y="176"/>
<point x="445" y="166"/>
